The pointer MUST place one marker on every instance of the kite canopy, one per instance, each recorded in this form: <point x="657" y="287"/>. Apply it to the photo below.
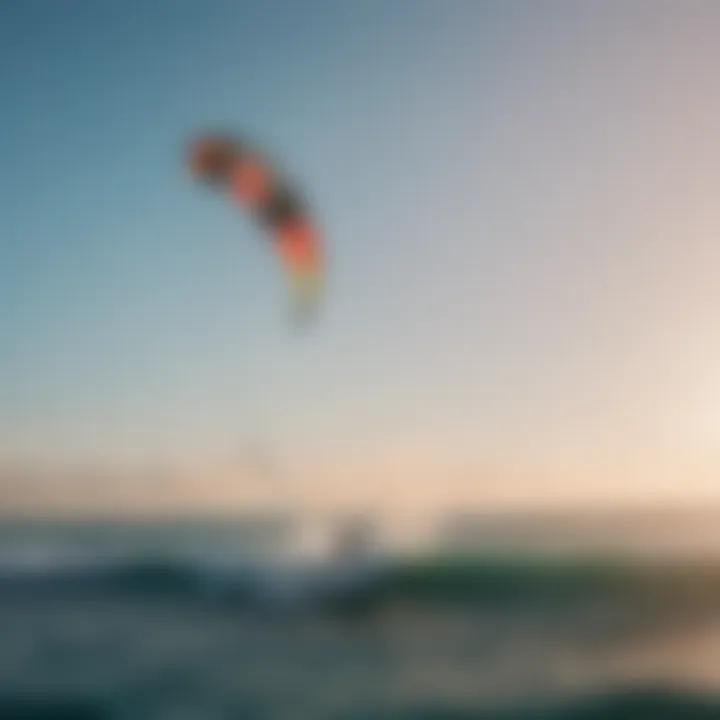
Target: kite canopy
<point x="211" y="157"/>
<point x="251" y="182"/>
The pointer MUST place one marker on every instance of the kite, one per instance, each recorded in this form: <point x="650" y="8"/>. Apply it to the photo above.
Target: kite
<point x="240" y="170"/>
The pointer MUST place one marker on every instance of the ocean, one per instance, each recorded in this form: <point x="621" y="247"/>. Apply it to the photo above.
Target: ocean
<point x="160" y="620"/>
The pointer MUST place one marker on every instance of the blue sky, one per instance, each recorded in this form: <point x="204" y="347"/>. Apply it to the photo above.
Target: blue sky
<point x="519" y="200"/>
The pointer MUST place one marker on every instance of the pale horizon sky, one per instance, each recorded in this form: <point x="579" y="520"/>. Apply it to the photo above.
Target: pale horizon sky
<point x="520" y="201"/>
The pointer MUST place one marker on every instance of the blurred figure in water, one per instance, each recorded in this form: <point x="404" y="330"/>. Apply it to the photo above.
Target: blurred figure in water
<point x="353" y="540"/>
